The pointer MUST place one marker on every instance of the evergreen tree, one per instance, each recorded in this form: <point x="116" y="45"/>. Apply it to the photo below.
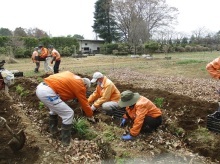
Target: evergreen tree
<point x="5" y="32"/>
<point x="104" y="24"/>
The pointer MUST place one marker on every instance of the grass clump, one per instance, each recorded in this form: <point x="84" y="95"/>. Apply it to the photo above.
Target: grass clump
<point x="191" y="61"/>
<point x="175" y="129"/>
<point x="82" y="129"/>
<point x="203" y="135"/>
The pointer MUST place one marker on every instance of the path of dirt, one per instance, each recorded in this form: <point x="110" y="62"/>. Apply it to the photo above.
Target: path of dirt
<point x="187" y="113"/>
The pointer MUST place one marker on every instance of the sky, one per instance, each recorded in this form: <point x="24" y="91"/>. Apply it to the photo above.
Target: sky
<point x="195" y="14"/>
<point x="69" y="17"/>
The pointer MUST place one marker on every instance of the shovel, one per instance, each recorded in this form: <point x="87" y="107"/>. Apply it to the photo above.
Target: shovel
<point x="18" y="140"/>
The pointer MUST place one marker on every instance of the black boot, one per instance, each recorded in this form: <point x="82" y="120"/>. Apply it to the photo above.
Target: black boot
<point x="66" y="134"/>
<point x="53" y="122"/>
<point x="35" y="70"/>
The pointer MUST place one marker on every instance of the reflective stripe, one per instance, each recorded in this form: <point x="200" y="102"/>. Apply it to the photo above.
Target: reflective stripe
<point x="51" y="99"/>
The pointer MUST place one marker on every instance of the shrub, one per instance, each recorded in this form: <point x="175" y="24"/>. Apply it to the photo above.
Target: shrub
<point x="152" y="46"/>
<point x="188" y="48"/>
<point x="18" y="52"/>
<point x="27" y="53"/>
<point x="3" y="50"/>
<point x="180" y="49"/>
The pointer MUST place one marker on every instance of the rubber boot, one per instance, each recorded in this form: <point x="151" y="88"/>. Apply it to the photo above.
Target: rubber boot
<point x="35" y="70"/>
<point x="53" y="122"/>
<point x="66" y="134"/>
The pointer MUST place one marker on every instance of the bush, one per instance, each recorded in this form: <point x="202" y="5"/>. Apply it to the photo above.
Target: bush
<point x="180" y="49"/>
<point x="188" y="48"/>
<point x="66" y="51"/>
<point x="27" y="53"/>
<point x="122" y="53"/>
<point x="3" y="50"/>
<point x="19" y="52"/>
<point x="152" y="46"/>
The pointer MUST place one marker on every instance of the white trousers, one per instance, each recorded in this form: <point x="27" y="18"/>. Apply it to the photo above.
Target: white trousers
<point x="47" y="67"/>
<point x="54" y="103"/>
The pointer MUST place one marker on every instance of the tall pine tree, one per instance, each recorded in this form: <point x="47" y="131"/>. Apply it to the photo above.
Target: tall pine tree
<point x="104" y="24"/>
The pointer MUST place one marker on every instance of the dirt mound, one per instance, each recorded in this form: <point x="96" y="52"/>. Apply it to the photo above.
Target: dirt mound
<point x="182" y="117"/>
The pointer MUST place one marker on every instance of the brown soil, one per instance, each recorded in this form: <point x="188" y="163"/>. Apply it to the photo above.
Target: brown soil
<point x="165" y="145"/>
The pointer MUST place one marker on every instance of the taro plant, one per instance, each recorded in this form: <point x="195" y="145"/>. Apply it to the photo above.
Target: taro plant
<point x="159" y="102"/>
<point x="21" y="91"/>
<point x="40" y="105"/>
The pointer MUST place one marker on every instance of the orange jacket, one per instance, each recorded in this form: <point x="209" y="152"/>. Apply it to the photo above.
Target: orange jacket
<point x="55" y="54"/>
<point x="213" y="68"/>
<point x="34" y="54"/>
<point x="104" y="93"/>
<point x="144" y="107"/>
<point x="44" y="52"/>
<point x="70" y="86"/>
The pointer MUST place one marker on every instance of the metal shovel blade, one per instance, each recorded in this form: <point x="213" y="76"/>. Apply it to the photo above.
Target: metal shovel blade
<point x="17" y="143"/>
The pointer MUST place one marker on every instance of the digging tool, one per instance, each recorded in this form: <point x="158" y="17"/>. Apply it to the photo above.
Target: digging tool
<point x="18" y="140"/>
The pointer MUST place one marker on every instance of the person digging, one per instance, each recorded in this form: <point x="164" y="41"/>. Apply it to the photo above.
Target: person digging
<point x="146" y="117"/>
<point x="55" y="91"/>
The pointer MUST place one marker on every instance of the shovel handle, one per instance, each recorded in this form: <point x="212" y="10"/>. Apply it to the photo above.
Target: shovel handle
<point x="3" y="123"/>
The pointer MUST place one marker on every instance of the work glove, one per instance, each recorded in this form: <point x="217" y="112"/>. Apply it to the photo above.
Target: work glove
<point x="123" y="122"/>
<point x="91" y="119"/>
<point x="127" y="137"/>
<point x="93" y="108"/>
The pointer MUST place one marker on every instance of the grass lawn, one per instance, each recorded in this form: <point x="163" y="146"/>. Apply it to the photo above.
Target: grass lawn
<point x="181" y="64"/>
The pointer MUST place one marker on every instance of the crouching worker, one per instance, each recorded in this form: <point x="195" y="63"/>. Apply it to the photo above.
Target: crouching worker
<point x="106" y="94"/>
<point x="54" y="91"/>
<point x="146" y="117"/>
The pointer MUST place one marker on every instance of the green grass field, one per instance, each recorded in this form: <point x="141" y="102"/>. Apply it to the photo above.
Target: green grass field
<point x="181" y="64"/>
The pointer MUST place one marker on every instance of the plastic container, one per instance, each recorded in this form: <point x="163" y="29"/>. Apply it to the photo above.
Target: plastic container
<point x="213" y="122"/>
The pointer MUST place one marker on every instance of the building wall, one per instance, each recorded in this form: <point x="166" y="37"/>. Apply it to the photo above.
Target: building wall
<point x="90" y="46"/>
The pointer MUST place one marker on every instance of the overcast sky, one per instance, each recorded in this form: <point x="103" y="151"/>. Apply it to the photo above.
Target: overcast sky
<point x="69" y="17"/>
<point x="195" y="14"/>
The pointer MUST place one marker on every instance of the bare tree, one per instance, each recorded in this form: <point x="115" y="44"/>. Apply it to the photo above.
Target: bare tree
<point x="140" y="18"/>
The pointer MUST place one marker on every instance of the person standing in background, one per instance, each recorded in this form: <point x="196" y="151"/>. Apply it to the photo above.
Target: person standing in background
<point x="35" y="60"/>
<point x="55" y="57"/>
<point x="44" y="56"/>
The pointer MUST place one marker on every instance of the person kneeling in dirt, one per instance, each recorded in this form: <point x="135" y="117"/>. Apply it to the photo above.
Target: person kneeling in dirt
<point x="106" y="94"/>
<point x="54" y="91"/>
<point x="146" y="117"/>
<point x="213" y="68"/>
